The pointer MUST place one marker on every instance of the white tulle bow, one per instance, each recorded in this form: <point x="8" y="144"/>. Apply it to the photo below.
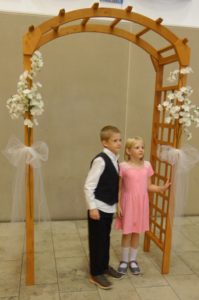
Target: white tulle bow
<point x="20" y="155"/>
<point x="182" y="160"/>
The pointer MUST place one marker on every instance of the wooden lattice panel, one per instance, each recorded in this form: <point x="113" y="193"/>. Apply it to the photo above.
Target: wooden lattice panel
<point x="162" y="206"/>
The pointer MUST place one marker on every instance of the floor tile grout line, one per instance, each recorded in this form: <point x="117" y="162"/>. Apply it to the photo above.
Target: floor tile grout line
<point x="55" y="260"/>
<point x="20" y="280"/>
<point x="81" y="240"/>
<point x="181" y="258"/>
<point x="173" y="289"/>
<point x="22" y="260"/>
<point x="184" y="235"/>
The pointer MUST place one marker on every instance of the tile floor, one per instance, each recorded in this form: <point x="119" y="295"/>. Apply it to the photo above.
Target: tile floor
<point x="61" y="264"/>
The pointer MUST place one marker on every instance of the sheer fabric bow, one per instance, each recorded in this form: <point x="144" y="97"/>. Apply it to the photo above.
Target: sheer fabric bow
<point x="20" y="156"/>
<point x="182" y="160"/>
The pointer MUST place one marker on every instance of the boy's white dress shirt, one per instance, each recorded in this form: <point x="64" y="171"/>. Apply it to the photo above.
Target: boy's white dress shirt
<point x="92" y="180"/>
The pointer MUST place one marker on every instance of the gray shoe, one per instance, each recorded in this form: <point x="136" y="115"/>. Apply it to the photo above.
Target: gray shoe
<point x="113" y="273"/>
<point x="122" y="270"/>
<point x="134" y="270"/>
<point x="101" y="281"/>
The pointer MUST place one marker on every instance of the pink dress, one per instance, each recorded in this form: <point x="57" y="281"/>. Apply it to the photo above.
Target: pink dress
<point x="134" y="198"/>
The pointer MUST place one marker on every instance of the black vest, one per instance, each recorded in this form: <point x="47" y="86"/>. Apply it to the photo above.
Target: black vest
<point x="108" y="185"/>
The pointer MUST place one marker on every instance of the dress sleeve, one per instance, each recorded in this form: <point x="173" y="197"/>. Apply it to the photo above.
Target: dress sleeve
<point x="150" y="169"/>
<point x="121" y="169"/>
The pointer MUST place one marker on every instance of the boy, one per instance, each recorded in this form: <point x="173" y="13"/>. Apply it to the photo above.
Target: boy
<point x="101" y="192"/>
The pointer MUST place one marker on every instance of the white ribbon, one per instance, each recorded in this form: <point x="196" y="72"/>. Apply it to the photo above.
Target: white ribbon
<point x="20" y="156"/>
<point x="182" y="160"/>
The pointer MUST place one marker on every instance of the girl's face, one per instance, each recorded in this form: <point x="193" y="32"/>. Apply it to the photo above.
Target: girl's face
<point x="136" y="152"/>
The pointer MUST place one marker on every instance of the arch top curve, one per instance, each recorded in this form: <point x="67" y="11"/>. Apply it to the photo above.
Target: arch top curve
<point x="61" y="25"/>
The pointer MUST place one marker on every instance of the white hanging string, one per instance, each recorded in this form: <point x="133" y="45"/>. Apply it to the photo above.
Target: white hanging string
<point x="20" y="156"/>
<point x="182" y="160"/>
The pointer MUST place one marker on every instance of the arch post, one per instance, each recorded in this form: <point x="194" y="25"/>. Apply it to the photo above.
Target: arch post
<point x="28" y="140"/>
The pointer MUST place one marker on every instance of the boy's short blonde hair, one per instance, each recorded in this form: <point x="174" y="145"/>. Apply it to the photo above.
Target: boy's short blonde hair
<point x="107" y="131"/>
<point x="131" y="143"/>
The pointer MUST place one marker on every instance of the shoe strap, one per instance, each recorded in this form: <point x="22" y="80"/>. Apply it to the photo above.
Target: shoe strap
<point x="133" y="261"/>
<point x="123" y="262"/>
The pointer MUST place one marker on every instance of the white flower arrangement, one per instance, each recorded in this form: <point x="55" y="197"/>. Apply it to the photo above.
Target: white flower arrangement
<point x="178" y="105"/>
<point x="28" y="99"/>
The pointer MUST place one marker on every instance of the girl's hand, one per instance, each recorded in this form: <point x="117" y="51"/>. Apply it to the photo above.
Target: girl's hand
<point x="119" y="210"/>
<point x="94" y="214"/>
<point x="165" y="186"/>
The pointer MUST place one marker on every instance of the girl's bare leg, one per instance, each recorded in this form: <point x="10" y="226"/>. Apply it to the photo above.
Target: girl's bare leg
<point x="135" y="240"/>
<point x="126" y="240"/>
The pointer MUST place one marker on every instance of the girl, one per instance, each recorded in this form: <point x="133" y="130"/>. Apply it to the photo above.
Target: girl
<point x="133" y="205"/>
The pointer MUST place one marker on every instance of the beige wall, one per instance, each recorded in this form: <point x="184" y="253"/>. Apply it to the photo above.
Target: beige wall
<point x="89" y="80"/>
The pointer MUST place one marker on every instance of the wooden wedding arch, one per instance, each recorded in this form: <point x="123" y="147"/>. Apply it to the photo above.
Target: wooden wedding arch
<point x="174" y="51"/>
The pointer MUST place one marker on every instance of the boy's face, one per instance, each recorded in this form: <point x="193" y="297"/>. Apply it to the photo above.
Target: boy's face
<point x="113" y="143"/>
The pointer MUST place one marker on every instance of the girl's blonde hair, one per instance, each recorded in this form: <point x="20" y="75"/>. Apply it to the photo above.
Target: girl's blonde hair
<point x="129" y="144"/>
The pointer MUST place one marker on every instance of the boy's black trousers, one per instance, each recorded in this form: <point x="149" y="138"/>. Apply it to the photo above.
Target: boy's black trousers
<point x="99" y="242"/>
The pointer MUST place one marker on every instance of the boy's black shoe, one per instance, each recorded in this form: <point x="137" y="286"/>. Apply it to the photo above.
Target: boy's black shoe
<point x="101" y="281"/>
<point x="113" y="273"/>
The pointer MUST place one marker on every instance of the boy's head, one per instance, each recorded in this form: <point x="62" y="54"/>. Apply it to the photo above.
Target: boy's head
<point x="110" y="137"/>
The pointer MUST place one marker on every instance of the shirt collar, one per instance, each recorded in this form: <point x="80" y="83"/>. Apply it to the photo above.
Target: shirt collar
<point x="111" y="154"/>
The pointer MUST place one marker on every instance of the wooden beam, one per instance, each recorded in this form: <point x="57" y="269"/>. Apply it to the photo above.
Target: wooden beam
<point x="62" y="12"/>
<point x="55" y="28"/>
<point x="31" y="28"/>
<point x="185" y="41"/>
<point x="165" y="126"/>
<point x="31" y="40"/>
<point x="159" y="21"/>
<point x="167" y="88"/>
<point x="165" y="49"/>
<point x="115" y="22"/>
<point x="168" y="60"/>
<point x="30" y="268"/>
<point x="95" y="5"/>
<point x="84" y="21"/>
<point x="183" y="52"/>
<point x="29" y="188"/>
<point x="155" y="239"/>
<point x="129" y="9"/>
<point x="155" y="63"/>
<point x="143" y="31"/>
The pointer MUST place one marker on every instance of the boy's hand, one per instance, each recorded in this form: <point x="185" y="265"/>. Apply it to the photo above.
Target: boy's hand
<point x="94" y="214"/>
